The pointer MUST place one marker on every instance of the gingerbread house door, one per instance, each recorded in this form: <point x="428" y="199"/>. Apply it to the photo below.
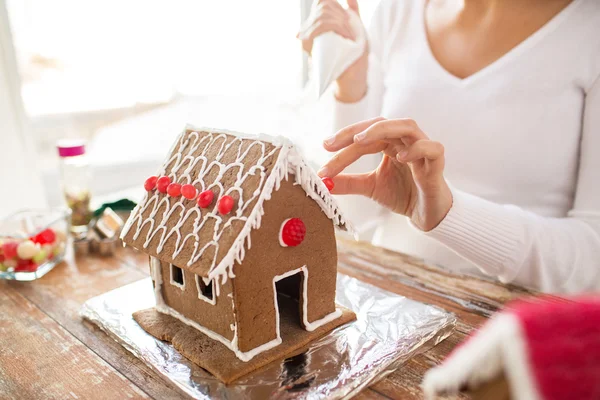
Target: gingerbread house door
<point x="290" y="297"/>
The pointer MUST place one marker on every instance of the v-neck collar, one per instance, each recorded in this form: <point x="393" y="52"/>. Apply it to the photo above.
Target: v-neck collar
<point x="507" y="57"/>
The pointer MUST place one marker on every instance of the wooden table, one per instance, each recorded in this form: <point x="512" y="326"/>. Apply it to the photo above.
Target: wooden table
<point x="48" y="351"/>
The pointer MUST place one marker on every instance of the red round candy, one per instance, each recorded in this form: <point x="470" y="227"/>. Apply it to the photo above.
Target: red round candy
<point x="329" y="183"/>
<point x="188" y="191"/>
<point x="206" y="198"/>
<point x="225" y="204"/>
<point x="47" y="236"/>
<point x="150" y="183"/>
<point x="162" y="183"/>
<point x="293" y="232"/>
<point x="10" y="249"/>
<point x="174" y="190"/>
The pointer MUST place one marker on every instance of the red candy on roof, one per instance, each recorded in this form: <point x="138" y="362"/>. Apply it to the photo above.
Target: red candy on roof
<point x="189" y="191"/>
<point x="225" y="204"/>
<point x="205" y="198"/>
<point x="174" y="190"/>
<point x="150" y="183"/>
<point x="162" y="183"/>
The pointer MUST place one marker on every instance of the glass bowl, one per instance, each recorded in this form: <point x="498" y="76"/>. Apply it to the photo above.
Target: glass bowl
<point x="32" y="242"/>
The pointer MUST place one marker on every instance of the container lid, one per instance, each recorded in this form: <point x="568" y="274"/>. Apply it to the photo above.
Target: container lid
<point x="70" y="147"/>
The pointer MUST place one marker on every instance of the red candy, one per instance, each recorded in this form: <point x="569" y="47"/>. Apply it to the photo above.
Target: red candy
<point x="225" y="204"/>
<point x="162" y="183"/>
<point x="188" y="191"/>
<point x="10" y="249"/>
<point x="174" y="190"/>
<point x="150" y="183"/>
<point x="205" y="198"/>
<point x="293" y="232"/>
<point x="47" y="236"/>
<point x="26" y="266"/>
<point x="329" y="183"/>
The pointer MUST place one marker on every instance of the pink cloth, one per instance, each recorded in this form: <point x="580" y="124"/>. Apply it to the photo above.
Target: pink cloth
<point x="546" y="347"/>
<point x="563" y="343"/>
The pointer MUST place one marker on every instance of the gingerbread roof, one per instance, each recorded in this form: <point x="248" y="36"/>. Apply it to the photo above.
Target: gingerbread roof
<point x="247" y="168"/>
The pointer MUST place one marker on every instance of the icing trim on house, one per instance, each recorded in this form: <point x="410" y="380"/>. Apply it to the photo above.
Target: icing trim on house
<point x="206" y="282"/>
<point x="233" y="344"/>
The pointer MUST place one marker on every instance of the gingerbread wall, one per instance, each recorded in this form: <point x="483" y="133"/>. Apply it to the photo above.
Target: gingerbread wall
<point x="253" y="284"/>
<point x="218" y="317"/>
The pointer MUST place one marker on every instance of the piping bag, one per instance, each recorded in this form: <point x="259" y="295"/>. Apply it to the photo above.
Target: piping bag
<point x="332" y="54"/>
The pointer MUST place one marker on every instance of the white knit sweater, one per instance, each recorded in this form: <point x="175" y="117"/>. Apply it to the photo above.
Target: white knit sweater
<point x="522" y="139"/>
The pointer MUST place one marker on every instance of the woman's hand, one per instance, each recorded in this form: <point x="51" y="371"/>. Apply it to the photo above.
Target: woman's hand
<point x="330" y="16"/>
<point x="409" y="180"/>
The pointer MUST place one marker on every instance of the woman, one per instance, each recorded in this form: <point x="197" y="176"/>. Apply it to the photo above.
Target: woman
<point x="487" y="116"/>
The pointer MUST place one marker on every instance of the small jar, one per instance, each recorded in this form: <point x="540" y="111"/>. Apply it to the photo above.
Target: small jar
<point x="75" y="180"/>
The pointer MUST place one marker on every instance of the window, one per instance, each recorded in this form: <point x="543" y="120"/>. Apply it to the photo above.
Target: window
<point x="177" y="277"/>
<point x="125" y="76"/>
<point x="205" y="289"/>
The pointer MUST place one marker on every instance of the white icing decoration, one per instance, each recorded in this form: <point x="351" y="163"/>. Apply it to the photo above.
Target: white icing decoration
<point x="288" y="161"/>
<point x="233" y="344"/>
<point x="281" y="242"/>
<point x="173" y="282"/>
<point x="156" y="273"/>
<point x="207" y="282"/>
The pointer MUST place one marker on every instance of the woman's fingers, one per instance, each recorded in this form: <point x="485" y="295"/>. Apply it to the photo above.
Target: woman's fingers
<point x="326" y="16"/>
<point x="391" y="129"/>
<point x="421" y="149"/>
<point x="347" y="156"/>
<point x="326" y="25"/>
<point x="353" y="5"/>
<point x="362" y="184"/>
<point x="345" y="137"/>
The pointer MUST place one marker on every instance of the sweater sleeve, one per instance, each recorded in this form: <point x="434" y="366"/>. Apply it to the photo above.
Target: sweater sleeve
<point x="369" y="106"/>
<point x="551" y="254"/>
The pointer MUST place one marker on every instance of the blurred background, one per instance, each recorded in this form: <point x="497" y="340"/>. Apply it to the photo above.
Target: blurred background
<point x="127" y="75"/>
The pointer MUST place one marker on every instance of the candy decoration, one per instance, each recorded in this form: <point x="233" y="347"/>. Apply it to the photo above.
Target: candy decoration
<point x="40" y="257"/>
<point x="26" y="266"/>
<point x="150" y="183"/>
<point x="3" y="268"/>
<point x="328" y="183"/>
<point x="189" y="191"/>
<point x="10" y="249"/>
<point x="162" y="183"/>
<point x="292" y="232"/>
<point x="44" y="237"/>
<point x="174" y="190"/>
<point x="27" y="250"/>
<point x="225" y="204"/>
<point x="205" y="198"/>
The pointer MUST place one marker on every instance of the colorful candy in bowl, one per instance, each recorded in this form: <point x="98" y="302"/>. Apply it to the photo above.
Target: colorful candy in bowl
<point x="32" y="242"/>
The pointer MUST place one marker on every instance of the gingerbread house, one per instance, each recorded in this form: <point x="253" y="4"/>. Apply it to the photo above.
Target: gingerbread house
<point x="232" y="223"/>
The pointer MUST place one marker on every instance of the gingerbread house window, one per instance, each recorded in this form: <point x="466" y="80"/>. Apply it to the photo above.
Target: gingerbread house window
<point x="177" y="277"/>
<point x="205" y="290"/>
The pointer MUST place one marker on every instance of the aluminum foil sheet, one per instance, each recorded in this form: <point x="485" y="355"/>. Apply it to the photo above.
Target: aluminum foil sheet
<point x="389" y="330"/>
